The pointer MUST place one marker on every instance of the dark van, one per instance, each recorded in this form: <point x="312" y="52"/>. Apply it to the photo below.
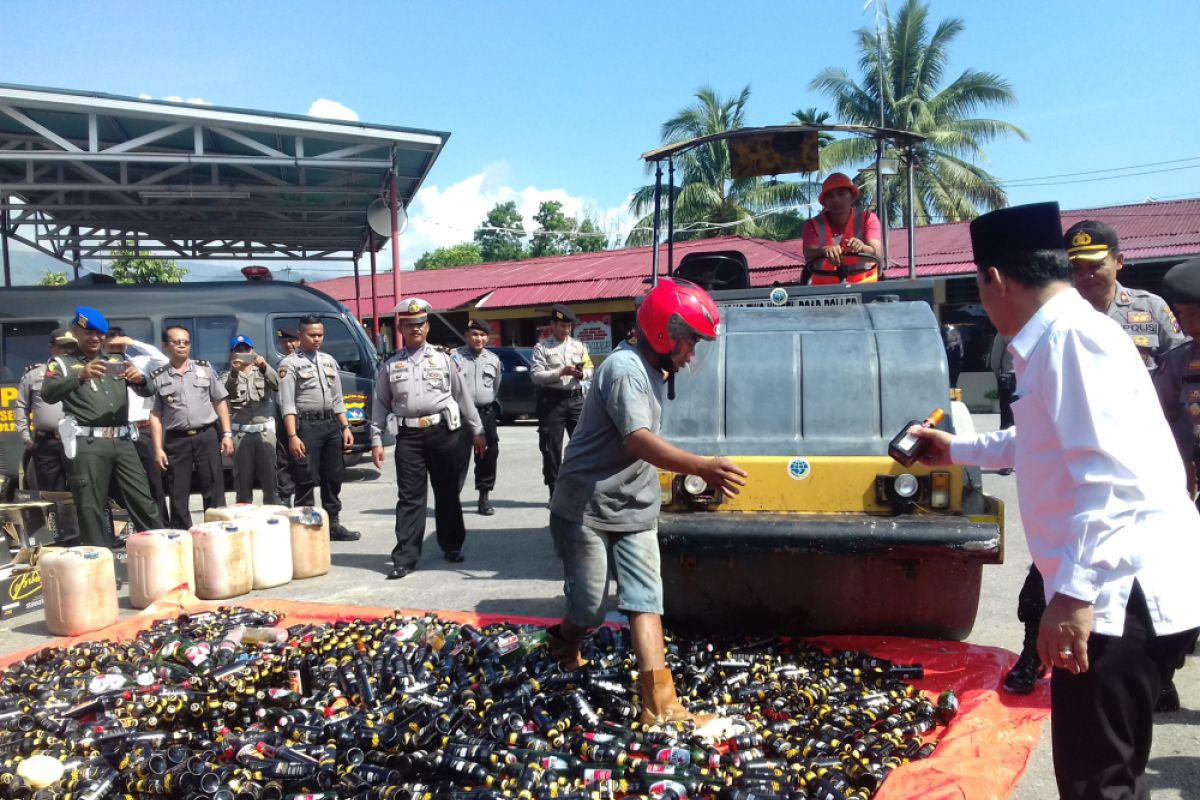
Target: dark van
<point x="213" y="312"/>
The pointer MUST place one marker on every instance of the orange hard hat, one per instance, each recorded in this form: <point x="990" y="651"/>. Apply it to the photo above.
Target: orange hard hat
<point x="838" y="180"/>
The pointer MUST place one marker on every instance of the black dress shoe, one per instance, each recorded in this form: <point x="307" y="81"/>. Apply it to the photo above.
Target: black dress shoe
<point x="1168" y="698"/>
<point x="454" y="556"/>
<point x="1023" y="677"/>
<point x="397" y="573"/>
<point x="485" y="507"/>
<point x="338" y="533"/>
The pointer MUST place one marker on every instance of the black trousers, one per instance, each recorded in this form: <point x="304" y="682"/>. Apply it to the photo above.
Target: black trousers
<point x="1031" y="600"/>
<point x="49" y="462"/>
<point x="558" y="412"/>
<point x="485" y="468"/>
<point x="254" y="457"/>
<point x="1006" y="386"/>
<point x="154" y="476"/>
<point x="425" y="456"/>
<point x="1102" y="721"/>
<point x="193" y="457"/>
<point x="284" y="482"/>
<point x="322" y="465"/>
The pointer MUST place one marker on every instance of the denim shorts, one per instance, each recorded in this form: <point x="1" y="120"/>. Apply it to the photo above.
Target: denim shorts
<point x="587" y="555"/>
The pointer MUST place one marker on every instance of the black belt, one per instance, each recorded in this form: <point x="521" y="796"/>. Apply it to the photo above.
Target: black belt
<point x="45" y="434"/>
<point x="178" y="433"/>
<point x="310" y="416"/>
<point x="575" y="392"/>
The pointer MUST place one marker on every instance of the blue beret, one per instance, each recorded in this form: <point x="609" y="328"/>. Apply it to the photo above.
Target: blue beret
<point x="240" y="339"/>
<point x="90" y="319"/>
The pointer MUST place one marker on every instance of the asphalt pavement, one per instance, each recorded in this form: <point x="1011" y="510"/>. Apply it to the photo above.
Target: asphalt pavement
<point x="510" y="568"/>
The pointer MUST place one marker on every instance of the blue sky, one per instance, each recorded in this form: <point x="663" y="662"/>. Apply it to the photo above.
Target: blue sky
<point x="556" y="100"/>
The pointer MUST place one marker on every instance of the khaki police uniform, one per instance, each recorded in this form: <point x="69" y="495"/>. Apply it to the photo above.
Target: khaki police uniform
<point x="252" y="414"/>
<point x="560" y="401"/>
<point x="481" y="374"/>
<point x="1148" y="320"/>
<point x="185" y="400"/>
<point x="421" y="394"/>
<point x="37" y="423"/>
<point x="310" y="389"/>
<point x="96" y="416"/>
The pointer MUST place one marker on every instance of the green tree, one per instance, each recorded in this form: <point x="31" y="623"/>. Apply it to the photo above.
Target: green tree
<point x="589" y="238"/>
<point x="132" y="265"/>
<point x="708" y="202"/>
<point x="454" y="256"/>
<point x="950" y="184"/>
<point x="53" y="279"/>
<point x="553" y="235"/>
<point x="501" y="236"/>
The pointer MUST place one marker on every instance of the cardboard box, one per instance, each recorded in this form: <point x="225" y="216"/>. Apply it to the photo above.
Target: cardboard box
<point x="64" y="519"/>
<point x="20" y="592"/>
<point x="27" y="524"/>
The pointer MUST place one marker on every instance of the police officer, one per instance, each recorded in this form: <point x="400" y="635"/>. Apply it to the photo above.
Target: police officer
<point x="37" y="421"/>
<point x="314" y="419"/>
<point x="96" y="426"/>
<point x="421" y="389"/>
<point x="1095" y="255"/>
<point x="147" y="358"/>
<point x="481" y="372"/>
<point x="289" y="342"/>
<point x="560" y="366"/>
<point x="189" y="403"/>
<point x="1096" y="258"/>
<point x="251" y="383"/>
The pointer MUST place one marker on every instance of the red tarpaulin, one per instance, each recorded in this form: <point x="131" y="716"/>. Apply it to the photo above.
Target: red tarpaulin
<point x="981" y="754"/>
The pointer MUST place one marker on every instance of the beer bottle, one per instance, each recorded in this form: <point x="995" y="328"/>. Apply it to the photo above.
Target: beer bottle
<point x="907" y="448"/>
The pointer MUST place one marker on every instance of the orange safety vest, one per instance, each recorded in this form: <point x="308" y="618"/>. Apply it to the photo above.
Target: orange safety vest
<point x="854" y="270"/>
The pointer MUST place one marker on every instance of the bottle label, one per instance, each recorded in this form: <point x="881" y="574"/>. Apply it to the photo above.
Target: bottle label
<point x="590" y="775"/>
<point x="907" y="442"/>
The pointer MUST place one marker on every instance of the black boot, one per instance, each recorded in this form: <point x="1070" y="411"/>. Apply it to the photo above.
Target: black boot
<point x="339" y="533"/>
<point x="1168" y="698"/>
<point x="1023" y="677"/>
<point x="485" y="507"/>
<point x="549" y="501"/>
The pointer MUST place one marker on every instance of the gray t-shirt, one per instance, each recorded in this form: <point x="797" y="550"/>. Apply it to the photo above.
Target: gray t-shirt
<point x="601" y="484"/>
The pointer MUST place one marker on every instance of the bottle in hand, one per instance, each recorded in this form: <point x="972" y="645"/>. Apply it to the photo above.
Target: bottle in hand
<point x="907" y="448"/>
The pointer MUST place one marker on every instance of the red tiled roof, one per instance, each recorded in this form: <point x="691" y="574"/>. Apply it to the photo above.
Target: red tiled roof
<point x="1147" y="231"/>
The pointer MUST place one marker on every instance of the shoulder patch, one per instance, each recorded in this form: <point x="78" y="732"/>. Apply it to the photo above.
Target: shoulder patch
<point x="32" y="367"/>
<point x="160" y="370"/>
<point x="202" y="363"/>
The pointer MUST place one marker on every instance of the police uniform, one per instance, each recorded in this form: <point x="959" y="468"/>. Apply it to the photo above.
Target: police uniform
<point x="185" y="401"/>
<point x="481" y="372"/>
<point x="421" y="394"/>
<point x="37" y="423"/>
<point x="252" y="417"/>
<point x="561" y="398"/>
<point x="284" y="481"/>
<point x="310" y="389"/>
<point x="96" y="419"/>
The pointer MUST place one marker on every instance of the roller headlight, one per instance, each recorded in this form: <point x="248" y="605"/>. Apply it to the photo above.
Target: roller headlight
<point x="694" y="485"/>
<point x="906" y="486"/>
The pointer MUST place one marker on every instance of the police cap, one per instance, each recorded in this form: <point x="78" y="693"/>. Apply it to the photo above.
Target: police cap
<point x="414" y="309"/>
<point x="480" y="325"/>
<point x="1090" y="240"/>
<point x="1181" y="284"/>
<point x="62" y="336"/>
<point x="90" y="319"/>
<point x="999" y="235"/>
<point x="287" y="333"/>
<point x="561" y="313"/>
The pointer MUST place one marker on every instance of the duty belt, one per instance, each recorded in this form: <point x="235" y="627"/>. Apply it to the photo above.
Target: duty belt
<point x="419" y="422"/>
<point x="189" y="431"/>
<point x="114" y="432"/>
<point x="313" y="415"/>
<point x="257" y="427"/>
<point x="45" y="434"/>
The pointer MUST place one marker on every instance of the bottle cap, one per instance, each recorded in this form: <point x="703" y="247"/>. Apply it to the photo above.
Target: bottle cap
<point x="936" y="417"/>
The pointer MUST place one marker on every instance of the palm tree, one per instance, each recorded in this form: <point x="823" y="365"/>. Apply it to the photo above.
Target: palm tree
<point x="950" y="184"/>
<point x="707" y="201"/>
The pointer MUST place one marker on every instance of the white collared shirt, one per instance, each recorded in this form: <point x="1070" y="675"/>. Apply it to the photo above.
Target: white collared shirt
<point x="147" y="358"/>
<point x="1099" y="479"/>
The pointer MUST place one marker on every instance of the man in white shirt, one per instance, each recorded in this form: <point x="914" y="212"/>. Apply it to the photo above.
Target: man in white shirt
<point x="1100" y="487"/>
<point x="147" y="358"/>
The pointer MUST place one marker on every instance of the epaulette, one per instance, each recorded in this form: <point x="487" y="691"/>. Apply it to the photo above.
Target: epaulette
<point x="32" y="367"/>
<point x="159" y="371"/>
<point x="202" y="363"/>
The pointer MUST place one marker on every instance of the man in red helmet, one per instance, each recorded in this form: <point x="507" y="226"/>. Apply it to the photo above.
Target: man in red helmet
<point x="607" y="497"/>
<point x="835" y="238"/>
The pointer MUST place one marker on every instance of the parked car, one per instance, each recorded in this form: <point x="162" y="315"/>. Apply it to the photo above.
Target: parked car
<point x="518" y="395"/>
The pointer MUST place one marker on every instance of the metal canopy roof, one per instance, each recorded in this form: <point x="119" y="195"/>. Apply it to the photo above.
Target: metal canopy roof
<point x="81" y="173"/>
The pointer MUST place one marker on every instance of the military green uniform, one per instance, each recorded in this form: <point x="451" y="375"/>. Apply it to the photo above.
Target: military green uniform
<point x="104" y="448"/>
<point x="1148" y="320"/>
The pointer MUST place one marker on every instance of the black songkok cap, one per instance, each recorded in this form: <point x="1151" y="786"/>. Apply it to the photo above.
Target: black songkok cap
<point x="1000" y="235"/>
<point x="1181" y="284"/>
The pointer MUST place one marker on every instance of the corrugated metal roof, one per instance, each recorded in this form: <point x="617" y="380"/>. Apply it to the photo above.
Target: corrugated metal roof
<point x="441" y="301"/>
<point x="1147" y="231"/>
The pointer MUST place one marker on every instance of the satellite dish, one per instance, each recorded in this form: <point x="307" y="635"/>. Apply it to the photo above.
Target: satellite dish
<point x="379" y="217"/>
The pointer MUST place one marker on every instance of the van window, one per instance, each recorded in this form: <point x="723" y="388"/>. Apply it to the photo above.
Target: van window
<point x="340" y="341"/>
<point x="138" y="328"/>
<point x="25" y="343"/>
<point x="210" y="337"/>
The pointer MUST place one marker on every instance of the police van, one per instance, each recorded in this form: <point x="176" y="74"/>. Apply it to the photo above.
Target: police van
<point x="213" y="312"/>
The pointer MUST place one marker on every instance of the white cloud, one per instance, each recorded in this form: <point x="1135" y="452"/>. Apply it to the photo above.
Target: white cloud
<point x="174" y="98"/>
<point x="443" y="217"/>
<point x="331" y="109"/>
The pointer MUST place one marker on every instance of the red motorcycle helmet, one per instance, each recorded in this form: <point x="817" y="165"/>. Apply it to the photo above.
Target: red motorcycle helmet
<point x="673" y="309"/>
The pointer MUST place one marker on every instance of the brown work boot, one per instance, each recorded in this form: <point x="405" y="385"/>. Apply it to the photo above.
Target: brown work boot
<point x="660" y="704"/>
<point x="565" y="652"/>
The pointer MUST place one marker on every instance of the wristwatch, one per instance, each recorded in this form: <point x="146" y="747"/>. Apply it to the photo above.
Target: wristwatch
<point x="345" y="427"/>
<point x="226" y="433"/>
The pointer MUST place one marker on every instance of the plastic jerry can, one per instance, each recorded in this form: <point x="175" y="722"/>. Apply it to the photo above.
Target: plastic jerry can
<point x="269" y="510"/>
<point x="223" y="558"/>
<point x="79" y="585"/>
<point x="271" y="547"/>
<point x="310" y="541"/>
<point x="226" y="513"/>
<point x="159" y="561"/>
